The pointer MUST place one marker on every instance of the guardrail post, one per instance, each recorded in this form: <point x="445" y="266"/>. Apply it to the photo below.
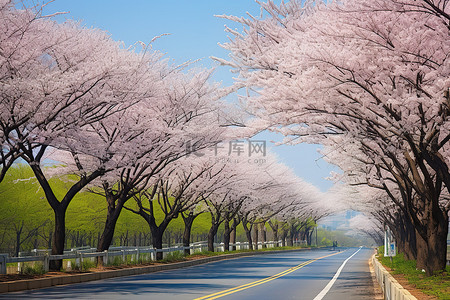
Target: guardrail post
<point x="137" y="255"/>
<point x="19" y="264"/>
<point x="123" y="256"/>
<point x="81" y="261"/>
<point x="105" y="257"/>
<point x="46" y="262"/>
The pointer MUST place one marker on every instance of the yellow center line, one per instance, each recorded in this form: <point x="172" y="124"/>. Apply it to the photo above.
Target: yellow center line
<point x="261" y="281"/>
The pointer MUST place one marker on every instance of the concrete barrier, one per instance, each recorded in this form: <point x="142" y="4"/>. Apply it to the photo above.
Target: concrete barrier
<point x="20" y="285"/>
<point x="392" y="290"/>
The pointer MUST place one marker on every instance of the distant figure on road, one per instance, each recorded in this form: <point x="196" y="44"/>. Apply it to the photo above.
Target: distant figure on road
<point x="335" y="244"/>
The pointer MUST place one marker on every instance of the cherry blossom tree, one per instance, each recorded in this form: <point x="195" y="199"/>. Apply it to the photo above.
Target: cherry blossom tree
<point x="177" y="190"/>
<point x="369" y="226"/>
<point x="272" y="190"/>
<point x="379" y="183"/>
<point x="376" y="73"/>
<point x="276" y="190"/>
<point x="174" y="128"/>
<point x="95" y="148"/>
<point x="52" y="76"/>
<point x="22" y="53"/>
<point x="385" y="203"/>
<point x="217" y="174"/>
<point x="226" y="196"/>
<point x="60" y="82"/>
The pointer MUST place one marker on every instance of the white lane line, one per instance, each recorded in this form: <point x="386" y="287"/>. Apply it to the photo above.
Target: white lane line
<point x="335" y="277"/>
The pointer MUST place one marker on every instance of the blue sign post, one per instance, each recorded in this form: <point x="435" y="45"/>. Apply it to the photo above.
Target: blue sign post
<point x="389" y="244"/>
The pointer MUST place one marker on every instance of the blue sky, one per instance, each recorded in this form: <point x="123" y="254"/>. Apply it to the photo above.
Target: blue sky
<point x="194" y="34"/>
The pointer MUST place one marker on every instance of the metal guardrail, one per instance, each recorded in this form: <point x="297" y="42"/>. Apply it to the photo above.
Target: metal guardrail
<point x="83" y="253"/>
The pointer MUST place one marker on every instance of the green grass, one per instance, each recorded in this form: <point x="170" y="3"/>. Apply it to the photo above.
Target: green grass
<point x="88" y="264"/>
<point x="437" y="285"/>
<point x="205" y="253"/>
<point x="173" y="257"/>
<point x="33" y="269"/>
<point x="115" y="261"/>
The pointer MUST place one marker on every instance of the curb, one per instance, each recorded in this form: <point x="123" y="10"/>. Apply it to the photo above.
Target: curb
<point x="392" y="290"/>
<point x="31" y="284"/>
<point x="376" y="286"/>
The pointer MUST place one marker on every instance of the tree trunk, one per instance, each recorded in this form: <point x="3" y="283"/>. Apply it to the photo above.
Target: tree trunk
<point x="290" y="241"/>
<point x="17" y="248"/>
<point x="233" y="235"/>
<point x="188" y="221"/>
<point x="50" y="238"/>
<point x="411" y="244"/>
<point x="110" y="225"/>
<point x="255" y="230"/>
<point x="399" y="235"/>
<point x="263" y="235"/>
<point x="309" y="235"/>
<point x="157" y="241"/>
<point x="283" y="237"/>
<point x="302" y="234"/>
<point x="406" y="239"/>
<point x="226" y="236"/>
<point x="18" y="235"/>
<point x="157" y="232"/>
<point x="58" y="238"/>
<point x="274" y="227"/>
<point x="58" y="207"/>
<point x="211" y="235"/>
<point x="248" y="234"/>
<point x="432" y="245"/>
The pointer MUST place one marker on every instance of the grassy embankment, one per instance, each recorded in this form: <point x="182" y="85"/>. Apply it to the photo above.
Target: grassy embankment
<point x="437" y="285"/>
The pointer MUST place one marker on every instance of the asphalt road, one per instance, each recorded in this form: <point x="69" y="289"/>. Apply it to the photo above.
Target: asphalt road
<point x="292" y="275"/>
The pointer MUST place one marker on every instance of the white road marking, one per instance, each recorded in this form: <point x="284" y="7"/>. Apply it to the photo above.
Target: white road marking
<point x="335" y="277"/>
